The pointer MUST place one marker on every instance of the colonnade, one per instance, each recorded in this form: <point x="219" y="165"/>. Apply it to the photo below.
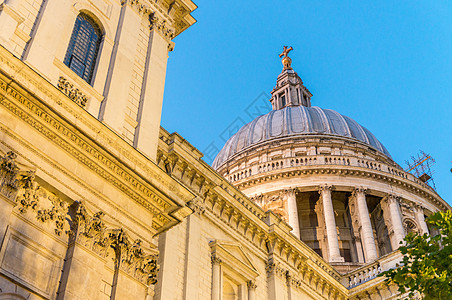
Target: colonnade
<point x="390" y="204"/>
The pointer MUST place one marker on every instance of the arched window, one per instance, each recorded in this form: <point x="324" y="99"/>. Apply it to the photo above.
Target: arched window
<point x="83" y="47"/>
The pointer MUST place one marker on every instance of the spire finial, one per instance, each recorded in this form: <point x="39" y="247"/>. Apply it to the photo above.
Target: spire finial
<point x="286" y="61"/>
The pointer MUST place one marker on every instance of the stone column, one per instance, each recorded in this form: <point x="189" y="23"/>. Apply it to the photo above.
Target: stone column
<point x="421" y="220"/>
<point x="291" y="197"/>
<point x="251" y="289"/>
<point x="216" y="277"/>
<point x="391" y="208"/>
<point x="330" y="223"/>
<point x="366" y="226"/>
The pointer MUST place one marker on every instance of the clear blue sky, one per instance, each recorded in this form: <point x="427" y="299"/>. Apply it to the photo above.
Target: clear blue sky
<point x="386" y="64"/>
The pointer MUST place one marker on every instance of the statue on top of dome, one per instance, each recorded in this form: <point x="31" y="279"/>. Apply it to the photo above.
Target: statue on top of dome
<point x="286" y="61"/>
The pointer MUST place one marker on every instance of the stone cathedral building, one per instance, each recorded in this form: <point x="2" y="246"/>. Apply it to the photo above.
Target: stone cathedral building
<point x="97" y="201"/>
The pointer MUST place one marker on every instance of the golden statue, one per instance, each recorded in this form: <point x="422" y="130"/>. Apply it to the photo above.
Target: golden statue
<point x="286" y="61"/>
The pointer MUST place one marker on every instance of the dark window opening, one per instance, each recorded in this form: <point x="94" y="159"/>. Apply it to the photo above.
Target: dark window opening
<point x="283" y="100"/>
<point x="83" y="47"/>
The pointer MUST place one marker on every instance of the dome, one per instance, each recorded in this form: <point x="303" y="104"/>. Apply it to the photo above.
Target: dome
<point x="294" y="121"/>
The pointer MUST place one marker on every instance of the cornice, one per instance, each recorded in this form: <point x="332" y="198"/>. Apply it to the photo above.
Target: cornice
<point x="61" y="130"/>
<point x="220" y="201"/>
<point x="169" y="19"/>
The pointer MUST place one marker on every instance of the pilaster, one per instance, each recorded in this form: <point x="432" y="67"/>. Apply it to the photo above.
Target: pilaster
<point x="44" y="46"/>
<point x="9" y="20"/>
<point x="120" y="71"/>
<point x="275" y="283"/>
<point x="251" y="284"/>
<point x="192" y="253"/>
<point x="149" y="112"/>
<point x="216" y="277"/>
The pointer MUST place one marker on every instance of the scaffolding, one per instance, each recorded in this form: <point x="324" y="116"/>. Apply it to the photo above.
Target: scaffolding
<point x="421" y="167"/>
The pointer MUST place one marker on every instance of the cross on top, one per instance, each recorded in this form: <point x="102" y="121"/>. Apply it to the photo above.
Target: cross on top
<point x="285" y="51"/>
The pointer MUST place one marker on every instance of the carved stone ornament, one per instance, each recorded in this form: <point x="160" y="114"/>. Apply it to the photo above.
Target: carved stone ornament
<point x="197" y="206"/>
<point x="325" y="187"/>
<point x="142" y="8"/>
<point x="72" y="92"/>
<point x="251" y="284"/>
<point x="129" y="255"/>
<point x="162" y="27"/>
<point x="20" y="187"/>
<point x="11" y="178"/>
<point x="214" y="259"/>
<point x="359" y="190"/>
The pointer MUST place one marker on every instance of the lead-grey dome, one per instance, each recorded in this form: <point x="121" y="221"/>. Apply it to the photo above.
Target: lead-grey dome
<point x="295" y="121"/>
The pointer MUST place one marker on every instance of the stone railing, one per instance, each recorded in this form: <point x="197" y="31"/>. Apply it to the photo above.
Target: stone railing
<point x="322" y="160"/>
<point x="371" y="270"/>
<point x="363" y="274"/>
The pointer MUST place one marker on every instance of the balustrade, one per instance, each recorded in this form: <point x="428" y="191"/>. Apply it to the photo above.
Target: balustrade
<point x="322" y="160"/>
<point x="362" y="275"/>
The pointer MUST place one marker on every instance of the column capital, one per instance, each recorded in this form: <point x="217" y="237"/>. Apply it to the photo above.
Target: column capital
<point x="290" y="191"/>
<point x="359" y="190"/>
<point x="215" y="259"/>
<point x="251" y="284"/>
<point x="392" y="198"/>
<point x="419" y="207"/>
<point x="325" y="187"/>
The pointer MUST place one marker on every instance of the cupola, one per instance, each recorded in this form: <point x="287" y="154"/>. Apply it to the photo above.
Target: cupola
<point x="289" y="89"/>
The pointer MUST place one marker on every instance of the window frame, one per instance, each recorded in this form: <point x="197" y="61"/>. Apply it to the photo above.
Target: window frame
<point x="84" y="46"/>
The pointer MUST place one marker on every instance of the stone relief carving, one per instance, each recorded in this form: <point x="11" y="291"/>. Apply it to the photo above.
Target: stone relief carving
<point x="20" y="187"/>
<point x="129" y="256"/>
<point x="11" y="178"/>
<point x="48" y="207"/>
<point x="89" y="230"/>
<point x="214" y="259"/>
<point x="162" y="26"/>
<point x="72" y="92"/>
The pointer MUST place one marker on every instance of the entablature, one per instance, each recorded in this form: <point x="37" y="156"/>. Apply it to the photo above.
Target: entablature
<point x="64" y="123"/>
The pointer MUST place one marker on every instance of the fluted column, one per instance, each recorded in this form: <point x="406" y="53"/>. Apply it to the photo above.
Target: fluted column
<point x="391" y="207"/>
<point x="251" y="289"/>
<point x="421" y="219"/>
<point x="291" y="197"/>
<point x="366" y="226"/>
<point x="330" y="223"/>
<point x="216" y="277"/>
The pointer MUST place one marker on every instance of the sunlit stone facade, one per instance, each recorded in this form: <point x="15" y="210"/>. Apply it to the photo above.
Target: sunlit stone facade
<point x="97" y="201"/>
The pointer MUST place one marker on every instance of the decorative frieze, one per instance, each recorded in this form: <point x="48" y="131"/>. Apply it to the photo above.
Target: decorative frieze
<point x="129" y="256"/>
<point x="72" y="92"/>
<point x="47" y="206"/>
<point x="162" y="26"/>
<point x="88" y="154"/>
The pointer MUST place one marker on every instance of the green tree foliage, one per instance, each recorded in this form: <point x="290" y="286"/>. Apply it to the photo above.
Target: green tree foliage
<point x="427" y="262"/>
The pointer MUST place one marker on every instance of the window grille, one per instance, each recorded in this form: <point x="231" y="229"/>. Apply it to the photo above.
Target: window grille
<point x="83" y="47"/>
